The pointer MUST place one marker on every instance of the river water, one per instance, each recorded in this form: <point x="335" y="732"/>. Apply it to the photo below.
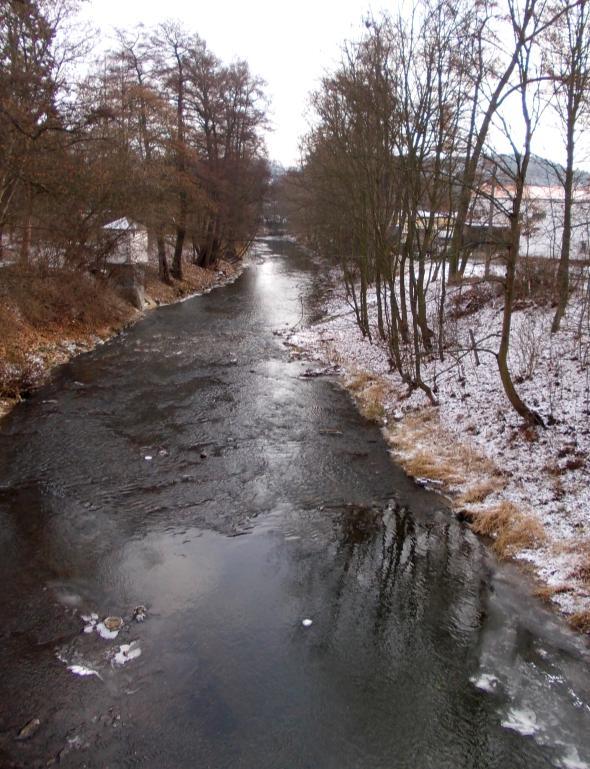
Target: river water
<point x="267" y="500"/>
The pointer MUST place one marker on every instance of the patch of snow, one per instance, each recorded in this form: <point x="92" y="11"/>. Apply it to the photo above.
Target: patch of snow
<point x="486" y="682"/>
<point x="126" y="653"/>
<point x="572" y="759"/>
<point x="105" y="633"/>
<point x="544" y="473"/>
<point x="82" y="670"/>
<point x="522" y="721"/>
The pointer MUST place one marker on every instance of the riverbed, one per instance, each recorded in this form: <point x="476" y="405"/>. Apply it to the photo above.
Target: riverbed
<point x="187" y="466"/>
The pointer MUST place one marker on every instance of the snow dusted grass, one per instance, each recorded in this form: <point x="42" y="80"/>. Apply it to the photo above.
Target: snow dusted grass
<point x="526" y="488"/>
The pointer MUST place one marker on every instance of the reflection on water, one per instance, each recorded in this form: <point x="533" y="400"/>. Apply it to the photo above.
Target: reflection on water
<point x="254" y="514"/>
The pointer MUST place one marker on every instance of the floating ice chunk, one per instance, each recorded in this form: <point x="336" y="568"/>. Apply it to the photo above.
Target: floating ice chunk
<point x="126" y="653"/>
<point x="523" y="721"/>
<point x="307" y="622"/>
<point x="86" y="617"/>
<point x="486" y="682"/>
<point x="82" y="670"/>
<point x="572" y="760"/>
<point x="89" y="628"/>
<point x="29" y="730"/>
<point x="148" y="457"/>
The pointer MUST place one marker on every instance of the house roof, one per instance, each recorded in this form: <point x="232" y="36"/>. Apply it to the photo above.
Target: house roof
<point x="120" y="224"/>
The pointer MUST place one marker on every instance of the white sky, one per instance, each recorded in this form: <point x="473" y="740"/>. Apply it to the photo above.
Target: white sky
<point x="289" y="44"/>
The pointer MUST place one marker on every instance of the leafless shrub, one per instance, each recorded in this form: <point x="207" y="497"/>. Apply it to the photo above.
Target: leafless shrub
<point x="464" y="303"/>
<point x="534" y="282"/>
<point x="527" y="347"/>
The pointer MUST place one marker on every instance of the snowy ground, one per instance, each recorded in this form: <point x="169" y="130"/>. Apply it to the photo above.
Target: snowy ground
<point x="543" y="473"/>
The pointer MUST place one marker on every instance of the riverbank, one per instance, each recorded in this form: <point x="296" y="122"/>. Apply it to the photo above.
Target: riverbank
<point x="48" y="318"/>
<point x="528" y="489"/>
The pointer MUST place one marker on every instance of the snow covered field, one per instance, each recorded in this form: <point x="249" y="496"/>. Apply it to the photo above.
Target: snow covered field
<point x="527" y="487"/>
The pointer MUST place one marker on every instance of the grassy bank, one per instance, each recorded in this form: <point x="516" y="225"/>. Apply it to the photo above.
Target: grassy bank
<point x="48" y="317"/>
<point x="527" y="489"/>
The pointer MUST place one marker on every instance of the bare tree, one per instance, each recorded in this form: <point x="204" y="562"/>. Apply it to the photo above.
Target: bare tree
<point x="568" y="65"/>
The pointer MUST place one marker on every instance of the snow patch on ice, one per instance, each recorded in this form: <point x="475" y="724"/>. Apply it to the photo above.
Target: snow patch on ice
<point x="82" y="670"/>
<point x="522" y="721"/>
<point x="126" y="653"/>
<point x="104" y="632"/>
<point x="486" y="682"/>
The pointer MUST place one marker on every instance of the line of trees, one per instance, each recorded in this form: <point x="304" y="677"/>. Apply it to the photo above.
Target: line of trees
<point x="158" y="130"/>
<point x="400" y="160"/>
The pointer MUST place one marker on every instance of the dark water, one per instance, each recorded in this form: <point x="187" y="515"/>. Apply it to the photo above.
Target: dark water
<point x="267" y="500"/>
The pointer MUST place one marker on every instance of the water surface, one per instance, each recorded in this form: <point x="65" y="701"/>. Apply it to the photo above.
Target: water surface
<point x="266" y="500"/>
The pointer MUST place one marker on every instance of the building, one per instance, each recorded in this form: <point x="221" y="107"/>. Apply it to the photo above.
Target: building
<point x="129" y="242"/>
<point x="542" y="216"/>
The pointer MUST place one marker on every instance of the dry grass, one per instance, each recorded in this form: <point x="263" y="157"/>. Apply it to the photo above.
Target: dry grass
<point x="195" y="279"/>
<point x="548" y="592"/>
<point x="371" y="393"/>
<point x="580" y="621"/>
<point x="579" y="552"/>
<point x="358" y="381"/>
<point x="511" y="529"/>
<point x="422" y="464"/>
<point x="42" y="309"/>
<point x="451" y="462"/>
<point x="478" y="492"/>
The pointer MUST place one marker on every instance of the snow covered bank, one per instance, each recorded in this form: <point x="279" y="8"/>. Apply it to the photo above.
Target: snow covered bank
<point x="528" y="488"/>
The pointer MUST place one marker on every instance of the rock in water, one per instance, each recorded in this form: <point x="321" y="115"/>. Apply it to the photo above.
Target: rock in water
<point x="109" y="627"/>
<point x="113" y="623"/>
<point x="29" y="730"/>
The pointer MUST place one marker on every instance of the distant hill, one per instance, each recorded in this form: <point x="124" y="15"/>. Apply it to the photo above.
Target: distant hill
<point x="541" y="171"/>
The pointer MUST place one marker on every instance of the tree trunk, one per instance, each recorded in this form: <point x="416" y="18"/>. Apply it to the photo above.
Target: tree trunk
<point x="25" y="244"/>
<point x="177" y="258"/>
<point x="180" y="236"/>
<point x="562" y="287"/>
<point x="163" y="270"/>
<point x="516" y="401"/>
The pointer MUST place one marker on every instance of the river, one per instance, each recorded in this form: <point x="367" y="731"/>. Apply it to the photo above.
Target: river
<point x="185" y="466"/>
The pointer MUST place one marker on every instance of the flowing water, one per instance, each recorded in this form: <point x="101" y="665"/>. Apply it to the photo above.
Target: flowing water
<point x="185" y="466"/>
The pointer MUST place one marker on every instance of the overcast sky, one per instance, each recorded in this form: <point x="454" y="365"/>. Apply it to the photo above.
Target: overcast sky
<point x="289" y="44"/>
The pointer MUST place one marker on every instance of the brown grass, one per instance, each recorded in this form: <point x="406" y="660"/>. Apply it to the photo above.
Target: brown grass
<point x="580" y="621"/>
<point x="547" y="592"/>
<point x="451" y="462"/>
<point x="42" y="309"/>
<point x="479" y="491"/>
<point x="426" y="465"/>
<point x="195" y="279"/>
<point x="511" y="529"/>
<point x="371" y="394"/>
